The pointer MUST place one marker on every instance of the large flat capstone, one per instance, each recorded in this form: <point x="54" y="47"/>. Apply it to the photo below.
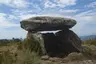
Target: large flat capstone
<point x="46" y="23"/>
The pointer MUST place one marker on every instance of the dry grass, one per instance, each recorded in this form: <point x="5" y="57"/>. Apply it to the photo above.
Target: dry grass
<point x="15" y="53"/>
<point x="21" y="53"/>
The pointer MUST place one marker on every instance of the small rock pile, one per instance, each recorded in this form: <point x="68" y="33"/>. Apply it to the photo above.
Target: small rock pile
<point x="57" y="44"/>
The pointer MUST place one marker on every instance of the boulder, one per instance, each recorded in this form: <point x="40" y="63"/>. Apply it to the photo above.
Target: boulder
<point x="47" y="23"/>
<point x="70" y="42"/>
<point x="62" y="43"/>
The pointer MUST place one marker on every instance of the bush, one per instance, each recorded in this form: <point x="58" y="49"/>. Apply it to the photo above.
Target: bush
<point x="32" y="45"/>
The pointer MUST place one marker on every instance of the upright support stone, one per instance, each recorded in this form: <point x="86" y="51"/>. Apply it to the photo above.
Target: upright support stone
<point x="69" y="38"/>
<point x="38" y="38"/>
<point x="51" y="44"/>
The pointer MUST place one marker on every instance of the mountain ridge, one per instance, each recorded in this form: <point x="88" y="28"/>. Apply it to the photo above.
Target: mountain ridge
<point x="87" y="37"/>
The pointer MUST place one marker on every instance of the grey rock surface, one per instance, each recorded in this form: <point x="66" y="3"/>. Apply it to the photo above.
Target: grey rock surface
<point x="47" y="23"/>
<point x="38" y="40"/>
<point x="69" y="38"/>
<point x="51" y="44"/>
<point x="62" y="43"/>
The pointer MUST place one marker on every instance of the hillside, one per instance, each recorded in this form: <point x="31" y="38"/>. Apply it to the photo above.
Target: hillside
<point x="88" y="37"/>
<point x="16" y="53"/>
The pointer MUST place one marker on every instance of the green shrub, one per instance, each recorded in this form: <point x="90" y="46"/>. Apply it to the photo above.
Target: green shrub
<point x="32" y="45"/>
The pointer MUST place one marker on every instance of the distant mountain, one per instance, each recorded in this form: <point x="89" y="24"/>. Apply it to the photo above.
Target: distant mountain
<point x="88" y="37"/>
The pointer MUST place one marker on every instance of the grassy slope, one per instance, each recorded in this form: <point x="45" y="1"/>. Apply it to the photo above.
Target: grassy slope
<point x="16" y="53"/>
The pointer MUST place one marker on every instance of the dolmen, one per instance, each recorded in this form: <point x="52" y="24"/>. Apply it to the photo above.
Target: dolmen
<point x="56" y="44"/>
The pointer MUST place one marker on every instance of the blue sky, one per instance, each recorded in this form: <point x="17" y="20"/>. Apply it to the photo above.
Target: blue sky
<point x="13" y="11"/>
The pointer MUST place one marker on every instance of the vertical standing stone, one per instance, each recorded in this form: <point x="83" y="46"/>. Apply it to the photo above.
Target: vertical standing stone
<point x="51" y="44"/>
<point x="39" y="40"/>
<point x="70" y="41"/>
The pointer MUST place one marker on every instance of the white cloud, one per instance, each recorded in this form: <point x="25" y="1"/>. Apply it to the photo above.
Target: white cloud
<point x="26" y="16"/>
<point x="68" y="11"/>
<point x="83" y="13"/>
<point x="49" y="4"/>
<point x="88" y="16"/>
<point x="15" y="3"/>
<point x="7" y="30"/>
<point x="91" y="5"/>
<point x="9" y="34"/>
<point x="12" y="17"/>
<point x="60" y="3"/>
<point x="83" y="19"/>
<point x="2" y="14"/>
<point x="4" y="22"/>
<point x="22" y="17"/>
<point x="65" y="2"/>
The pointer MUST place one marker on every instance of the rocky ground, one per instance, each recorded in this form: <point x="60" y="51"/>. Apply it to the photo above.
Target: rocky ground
<point x="72" y="58"/>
